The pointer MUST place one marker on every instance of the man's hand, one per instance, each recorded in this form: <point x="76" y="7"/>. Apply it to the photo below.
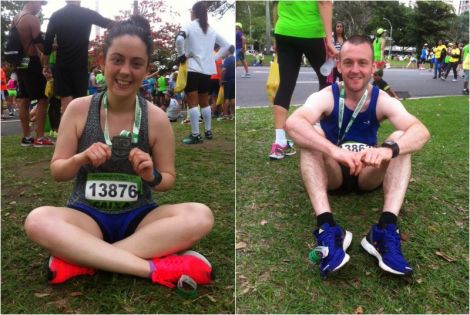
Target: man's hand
<point x="349" y="159"/>
<point x="375" y="156"/>
<point x="142" y="164"/>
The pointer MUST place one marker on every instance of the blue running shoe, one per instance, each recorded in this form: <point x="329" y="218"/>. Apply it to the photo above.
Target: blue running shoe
<point x="336" y="240"/>
<point x="385" y="245"/>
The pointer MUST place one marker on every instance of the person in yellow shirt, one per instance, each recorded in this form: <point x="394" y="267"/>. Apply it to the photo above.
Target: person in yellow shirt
<point x="439" y="58"/>
<point x="453" y="61"/>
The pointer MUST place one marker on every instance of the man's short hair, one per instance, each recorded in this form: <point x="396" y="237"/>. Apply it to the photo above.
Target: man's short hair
<point x="358" y="40"/>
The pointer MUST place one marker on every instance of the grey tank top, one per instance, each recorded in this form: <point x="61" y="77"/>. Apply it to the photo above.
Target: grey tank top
<point x="93" y="133"/>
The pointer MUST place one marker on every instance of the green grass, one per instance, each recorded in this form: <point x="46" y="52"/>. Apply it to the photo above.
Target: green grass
<point x="273" y="272"/>
<point x="205" y="173"/>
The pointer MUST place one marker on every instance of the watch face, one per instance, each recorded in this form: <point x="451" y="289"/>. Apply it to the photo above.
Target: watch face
<point x="121" y="147"/>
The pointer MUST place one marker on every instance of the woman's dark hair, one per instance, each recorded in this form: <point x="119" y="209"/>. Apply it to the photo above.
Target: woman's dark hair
<point x="200" y="12"/>
<point x="335" y="36"/>
<point x="136" y="25"/>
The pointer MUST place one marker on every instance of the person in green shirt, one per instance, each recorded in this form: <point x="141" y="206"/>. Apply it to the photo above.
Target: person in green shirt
<point x="379" y="47"/>
<point x="301" y="27"/>
<point x="162" y="87"/>
<point x="466" y="67"/>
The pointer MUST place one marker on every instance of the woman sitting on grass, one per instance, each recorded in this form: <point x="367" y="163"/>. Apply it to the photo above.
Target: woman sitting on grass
<point x="111" y="221"/>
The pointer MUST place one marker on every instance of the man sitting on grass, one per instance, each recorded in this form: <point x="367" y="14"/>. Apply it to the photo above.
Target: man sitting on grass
<point x="349" y="158"/>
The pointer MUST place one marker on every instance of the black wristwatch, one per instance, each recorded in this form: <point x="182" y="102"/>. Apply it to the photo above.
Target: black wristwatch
<point x="392" y="145"/>
<point x="157" y="179"/>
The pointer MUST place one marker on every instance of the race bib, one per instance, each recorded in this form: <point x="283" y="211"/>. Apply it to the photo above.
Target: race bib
<point x="112" y="191"/>
<point x="355" y="146"/>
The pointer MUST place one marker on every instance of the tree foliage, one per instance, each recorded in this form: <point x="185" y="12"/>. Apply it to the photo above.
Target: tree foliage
<point x="163" y="33"/>
<point x="219" y="8"/>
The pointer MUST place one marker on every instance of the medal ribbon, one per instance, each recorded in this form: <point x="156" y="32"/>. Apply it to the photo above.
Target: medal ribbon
<point x="136" y="127"/>
<point x="353" y="117"/>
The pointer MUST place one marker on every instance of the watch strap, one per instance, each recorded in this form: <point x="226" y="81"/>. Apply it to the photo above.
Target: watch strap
<point x="157" y="179"/>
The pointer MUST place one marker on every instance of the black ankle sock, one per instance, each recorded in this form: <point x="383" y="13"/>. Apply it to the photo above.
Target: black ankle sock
<point x="387" y="218"/>
<point x="325" y="217"/>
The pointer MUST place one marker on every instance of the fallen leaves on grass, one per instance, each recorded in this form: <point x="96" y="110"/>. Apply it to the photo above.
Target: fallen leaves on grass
<point x="60" y="304"/>
<point x="41" y="295"/>
<point x="210" y="297"/>
<point x="240" y="245"/>
<point x="404" y="236"/>
<point x="359" y="310"/>
<point x="76" y="293"/>
<point x="263" y="222"/>
<point x="444" y="256"/>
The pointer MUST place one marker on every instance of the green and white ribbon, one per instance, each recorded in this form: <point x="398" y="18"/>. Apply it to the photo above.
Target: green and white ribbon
<point x="136" y="127"/>
<point x="353" y="117"/>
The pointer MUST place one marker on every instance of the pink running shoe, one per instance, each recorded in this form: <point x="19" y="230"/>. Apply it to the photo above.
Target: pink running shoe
<point x="169" y="269"/>
<point x="60" y="271"/>
<point x="278" y="152"/>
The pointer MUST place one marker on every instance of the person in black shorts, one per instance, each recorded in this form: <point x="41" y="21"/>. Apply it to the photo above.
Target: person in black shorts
<point x="72" y="26"/>
<point x="194" y="45"/>
<point x="31" y="82"/>
<point x="310" y="36"/>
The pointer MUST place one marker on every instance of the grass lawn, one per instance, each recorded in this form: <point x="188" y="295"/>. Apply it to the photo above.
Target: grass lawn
<point x="275" y="222"/>
<point x="205" y="174"/>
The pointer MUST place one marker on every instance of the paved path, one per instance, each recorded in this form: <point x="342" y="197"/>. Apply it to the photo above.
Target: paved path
<point x="406" y="82"/>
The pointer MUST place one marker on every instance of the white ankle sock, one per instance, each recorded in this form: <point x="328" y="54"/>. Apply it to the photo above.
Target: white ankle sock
<point x="281" y="137"/>
<point x="194" y="117"/>
<point x="207" y="117"/>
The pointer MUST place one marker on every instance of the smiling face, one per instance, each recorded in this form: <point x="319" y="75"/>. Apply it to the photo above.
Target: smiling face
<point x="125" y="65"/>
<point x="356" y="66"/>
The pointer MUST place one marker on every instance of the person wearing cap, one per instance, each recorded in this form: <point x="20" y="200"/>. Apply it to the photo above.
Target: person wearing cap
<point x="454" y="58"/>
<point x="71" y="25"/>
<point x="439" y="53"/>
<point x="240" y="43"/>
<point x="31" y="82"/>
<point x="379" y="47"/>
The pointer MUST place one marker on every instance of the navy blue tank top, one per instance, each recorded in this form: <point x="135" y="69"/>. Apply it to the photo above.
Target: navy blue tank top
<point x="363" y="130"/>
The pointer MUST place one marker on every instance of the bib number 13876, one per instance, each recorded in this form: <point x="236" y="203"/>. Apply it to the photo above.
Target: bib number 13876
<point x="111" y="191"/>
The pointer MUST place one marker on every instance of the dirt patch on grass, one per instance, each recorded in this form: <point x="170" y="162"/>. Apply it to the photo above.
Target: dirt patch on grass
<point x="34" y="171"/>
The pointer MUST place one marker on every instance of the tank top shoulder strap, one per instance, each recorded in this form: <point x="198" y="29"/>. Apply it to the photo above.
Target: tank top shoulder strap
<point x="373" y="98"/>
<point x="144" y="128"/>
<point x="93" y="119"/>
<point x="335" y="89"/>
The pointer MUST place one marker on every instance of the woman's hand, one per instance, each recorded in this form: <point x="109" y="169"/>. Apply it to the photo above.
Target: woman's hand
<point x="142" y="163"/>
<point x="96" y="154"/>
